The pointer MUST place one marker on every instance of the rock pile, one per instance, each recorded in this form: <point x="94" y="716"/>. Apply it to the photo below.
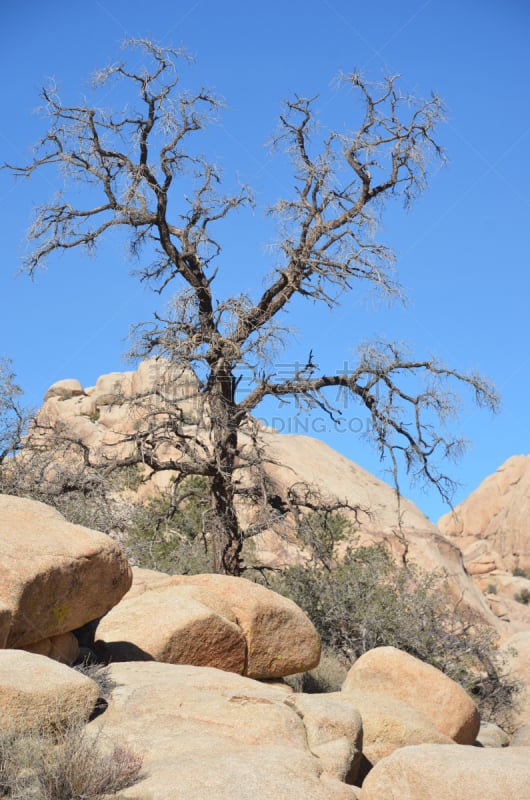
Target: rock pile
<point x="197" y="661"/>
<point x="398" y="728"/>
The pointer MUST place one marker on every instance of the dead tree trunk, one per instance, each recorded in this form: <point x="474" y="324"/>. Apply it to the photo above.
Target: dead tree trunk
<point x="225" y="531"/>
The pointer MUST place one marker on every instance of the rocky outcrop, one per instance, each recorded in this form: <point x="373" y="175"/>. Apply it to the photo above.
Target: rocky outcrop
<point x="54" y="576"/>
<point x="491" y="525"/>
<point x="301" y="460"/>
<point x="210" y="732"/>
<point x="502" y="591"/>
<point x="232" y="736"/>
<point x="297" y="459"/>
<point x="207" y="733"/>
<point x="105" y="417"/>
<point x="65" y="390"/>
<point x="37" y="692"/>
<point x="213" y="620"/>
<point x="433" y="772"/>
<point x="390" y="671"/>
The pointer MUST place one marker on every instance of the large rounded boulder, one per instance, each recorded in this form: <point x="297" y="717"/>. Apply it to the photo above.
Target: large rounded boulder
<point x="211" y="620"/>
<point x="425" y="688"/>
<point x="54" y="576"/>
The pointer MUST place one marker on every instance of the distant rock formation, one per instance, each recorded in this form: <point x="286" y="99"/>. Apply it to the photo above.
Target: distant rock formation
<point x="492" y="529"/>
<point x="492" y="526"/>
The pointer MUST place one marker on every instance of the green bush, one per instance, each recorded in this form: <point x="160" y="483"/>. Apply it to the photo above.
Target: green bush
<point x="166" y="533"/>
<point x="365" y="600"/>
<point x="518" y="572"/>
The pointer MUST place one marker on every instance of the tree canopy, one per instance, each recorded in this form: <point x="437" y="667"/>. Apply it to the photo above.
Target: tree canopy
<point x="141" y="169"/>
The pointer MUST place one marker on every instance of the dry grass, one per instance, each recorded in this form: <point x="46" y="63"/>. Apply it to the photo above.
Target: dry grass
<point x="67" y="765"/>
<point x="327" y="677"/>
<point x="98" y="673"/>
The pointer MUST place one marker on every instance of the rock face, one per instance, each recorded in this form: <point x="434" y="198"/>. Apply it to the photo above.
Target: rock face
<point x="501" y="591"/>
<point x="302" y="459"/>
<point x="296" y="459"/>
<point x="449" y="772"/>
<point x="54" y="576"/>
<point x="206" y="733"/>
<point x="36" y="692"/>
<point x="491" y="525"/>
<point x="405" y="678"/>
<point x="213" y="620"/>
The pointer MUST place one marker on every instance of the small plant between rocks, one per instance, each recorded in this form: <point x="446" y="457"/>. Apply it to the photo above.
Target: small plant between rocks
<point x="70" y="764"/>
<point x="328" y="676"/>
<point x="519" y="572"/>
<point x="98" y="673"/>
<point x="523" y="597"/>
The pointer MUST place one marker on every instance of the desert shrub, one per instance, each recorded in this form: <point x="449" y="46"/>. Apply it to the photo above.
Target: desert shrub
<point x="519" y="572"/>
<point x="328" y="676"/>
<point x="523" y="596"/>
<point x="98" y="673"/>
<point x="86" y="495"/>
<point x="100" y="509"/>
<point x="365" y="600"/>
<point x="166" y="533"/>
<point x="67" y="765"/>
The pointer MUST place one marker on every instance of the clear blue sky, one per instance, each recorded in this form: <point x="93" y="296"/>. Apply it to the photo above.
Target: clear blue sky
<point x="463" y="248"/>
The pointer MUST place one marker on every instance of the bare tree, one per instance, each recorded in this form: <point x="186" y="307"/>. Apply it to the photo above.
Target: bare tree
<point x="143" y="174"/>
<point x="14" y="416"/>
